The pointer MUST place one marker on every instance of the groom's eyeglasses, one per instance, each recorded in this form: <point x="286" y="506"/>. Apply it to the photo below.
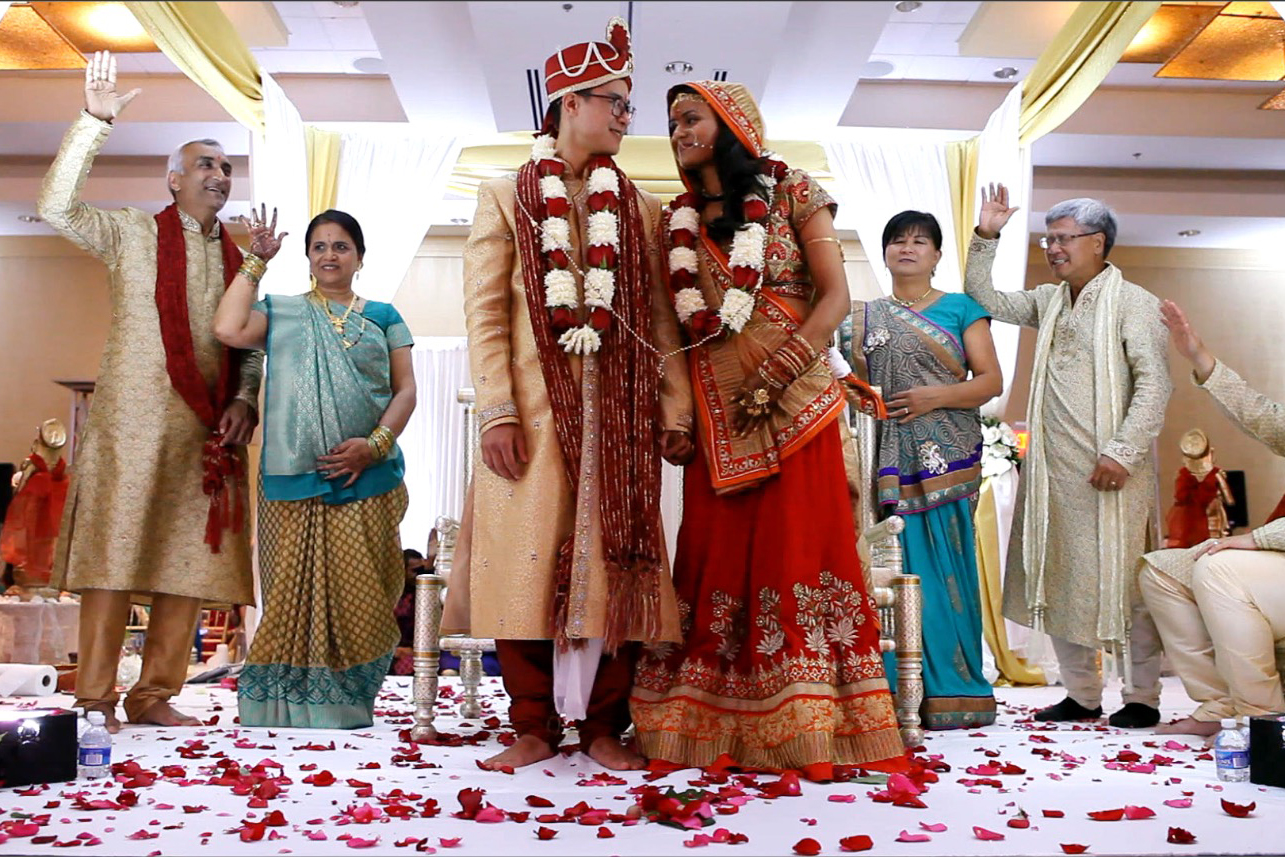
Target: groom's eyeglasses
<point x="620" y="107"/>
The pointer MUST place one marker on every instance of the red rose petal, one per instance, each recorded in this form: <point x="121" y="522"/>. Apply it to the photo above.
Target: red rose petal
<point x="1178" y="836"/>
<point x="1179" y="803"/>
<point x="933" y="828"/>
<point x="856" y="843"/>
<point x="545" y="833"/>
<point x="1236" y="809"/>
<point x="1054" y="813"/>
<point x="1072" y="848"/>
<point x="450" y="843"/>
<point x="807" y="847"/>
<point x="354" y="842"/>
<point x="537" y="801"/>
<point x="605" y="833"/>
<point x="986" y="835"/>
<point x="1019" y="823"/>
<point x="1137" y="813"/>
<point x="907" y="836"/>
<point x="1107" y="815"/>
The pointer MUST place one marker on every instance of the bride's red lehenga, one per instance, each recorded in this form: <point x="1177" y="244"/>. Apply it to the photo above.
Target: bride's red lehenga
<point x="779" y="667"/>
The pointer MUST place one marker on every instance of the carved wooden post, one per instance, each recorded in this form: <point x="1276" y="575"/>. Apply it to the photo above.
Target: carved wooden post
<point x="427" y="654"/>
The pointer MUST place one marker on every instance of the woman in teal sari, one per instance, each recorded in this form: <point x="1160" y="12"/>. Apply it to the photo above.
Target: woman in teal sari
<point x="338" y="389"/>
<point x="932" y="355"/>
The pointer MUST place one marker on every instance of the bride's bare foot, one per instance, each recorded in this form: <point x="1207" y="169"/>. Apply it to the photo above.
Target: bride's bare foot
<point x="1189" y="726"/>
<point x="527" y="750"/>
<point x="614" y="756"/>
<point x="161" y="713"/>
<point x="110" y="720"/>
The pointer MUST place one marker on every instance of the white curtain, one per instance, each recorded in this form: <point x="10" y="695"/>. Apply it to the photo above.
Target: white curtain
<point x="881" y="172"/>
<point x="433" y="441"/>
<point x="393" y="184"/>
<point x="279" y="176"/>
<point x="1001" y="160"/>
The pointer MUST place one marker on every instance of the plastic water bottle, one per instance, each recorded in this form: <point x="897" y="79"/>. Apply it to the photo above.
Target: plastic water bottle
<point x="1231" y="753"/>
<point x="95" y="748"/>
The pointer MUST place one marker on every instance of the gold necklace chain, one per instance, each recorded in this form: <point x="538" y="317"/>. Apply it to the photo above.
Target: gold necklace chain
<point x="338" y="322"/>
<point x="909" y="303"/>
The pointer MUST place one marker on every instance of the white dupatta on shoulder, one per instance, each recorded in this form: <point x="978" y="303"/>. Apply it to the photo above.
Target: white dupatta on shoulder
<point x="1110" y="369"/>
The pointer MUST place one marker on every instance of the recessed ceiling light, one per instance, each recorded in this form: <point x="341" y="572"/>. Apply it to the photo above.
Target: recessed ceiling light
<point x="908" y="5"/>
<point x="1005" y="73"/>
<point x="459" y="221"/>
<point x="347" y="4"/>
<point x="1188" y="233"/>
<point x="877" y="68"/>
<point x="114" y="21"/>
<point x="369" y="65"/>
<point x="30" y="218"/>
<point x="679" y="67"/>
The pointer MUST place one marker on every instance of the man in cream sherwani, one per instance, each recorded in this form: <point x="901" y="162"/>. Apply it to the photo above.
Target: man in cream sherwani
<point x="1098" y="393"/>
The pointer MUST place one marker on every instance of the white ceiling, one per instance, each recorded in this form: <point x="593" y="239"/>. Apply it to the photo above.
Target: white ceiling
<point x="465" y="65"/>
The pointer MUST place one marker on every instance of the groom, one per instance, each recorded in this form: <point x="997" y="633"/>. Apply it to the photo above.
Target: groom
<point x="566" y="316"/>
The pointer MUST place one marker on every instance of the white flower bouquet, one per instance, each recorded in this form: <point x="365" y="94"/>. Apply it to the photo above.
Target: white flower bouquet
<point x="1000" y="450"/>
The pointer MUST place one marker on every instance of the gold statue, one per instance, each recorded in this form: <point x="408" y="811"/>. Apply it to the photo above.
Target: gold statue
<point x="31" y="523"/>
<point x="1201" y="495"/>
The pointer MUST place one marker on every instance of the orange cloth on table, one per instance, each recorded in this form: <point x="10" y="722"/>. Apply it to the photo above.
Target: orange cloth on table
<point x="31" y="524"/>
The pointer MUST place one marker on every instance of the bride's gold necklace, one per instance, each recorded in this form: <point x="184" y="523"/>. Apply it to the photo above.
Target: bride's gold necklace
<point x="909" y="303"/>
<point x="338" y="322"/>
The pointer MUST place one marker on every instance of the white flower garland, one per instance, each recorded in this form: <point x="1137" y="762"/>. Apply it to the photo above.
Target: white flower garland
<point x="555" y="234"/>
<point x="749" y="251"/>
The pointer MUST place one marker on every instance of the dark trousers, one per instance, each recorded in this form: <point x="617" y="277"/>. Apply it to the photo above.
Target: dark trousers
<point x="526" y="667"/>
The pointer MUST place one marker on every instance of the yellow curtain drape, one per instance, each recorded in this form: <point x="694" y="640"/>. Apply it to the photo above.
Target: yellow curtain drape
<point x="323" y="168"/>
<point x="1012" y="669"/>
<point x="961" y="170"/>
<point x="200" y="40"/>
<point x="1075" y="62"/>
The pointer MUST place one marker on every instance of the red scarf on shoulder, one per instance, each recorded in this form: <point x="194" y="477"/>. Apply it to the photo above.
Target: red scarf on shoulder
<point x="222" y="479"/>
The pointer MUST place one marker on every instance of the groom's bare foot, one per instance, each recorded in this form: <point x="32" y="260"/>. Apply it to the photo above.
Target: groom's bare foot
<point x="161" y="713"/>
<point x="1189" y="726"/>
<point x="614" y="756"/>
<point x="527" y="750"/>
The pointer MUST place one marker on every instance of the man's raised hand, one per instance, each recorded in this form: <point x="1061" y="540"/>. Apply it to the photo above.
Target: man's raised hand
<point x="102" y="101"/>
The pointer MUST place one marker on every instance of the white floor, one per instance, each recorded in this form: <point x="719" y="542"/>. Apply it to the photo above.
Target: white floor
<point x="1072" y="769"/>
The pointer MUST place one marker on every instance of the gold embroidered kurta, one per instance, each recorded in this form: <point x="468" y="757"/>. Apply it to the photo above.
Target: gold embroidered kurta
<point x="1071" y="566"/>
<point x="1262" y="419"/>
<point x="136" y="513"/>
<point x="518" y="527"/>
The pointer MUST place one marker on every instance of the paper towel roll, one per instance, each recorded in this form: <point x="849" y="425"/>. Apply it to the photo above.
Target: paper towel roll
<point x="27" y="680"/>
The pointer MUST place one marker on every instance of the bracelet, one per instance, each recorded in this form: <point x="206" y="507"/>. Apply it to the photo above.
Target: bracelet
<point x="381" y="442"/>
<point x="253" y="268"/>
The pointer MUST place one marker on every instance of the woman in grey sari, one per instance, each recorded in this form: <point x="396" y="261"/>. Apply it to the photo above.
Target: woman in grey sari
<point x="931" y="354"/>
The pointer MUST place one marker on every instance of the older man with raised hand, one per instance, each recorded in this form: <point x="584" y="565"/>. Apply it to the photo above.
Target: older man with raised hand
<point x="157" y="509"/>
<point x="1098" y="393"/>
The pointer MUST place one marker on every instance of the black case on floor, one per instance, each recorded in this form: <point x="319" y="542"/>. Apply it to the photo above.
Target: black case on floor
<point x="37" y="747"/>
<point x="1267" y="750"/>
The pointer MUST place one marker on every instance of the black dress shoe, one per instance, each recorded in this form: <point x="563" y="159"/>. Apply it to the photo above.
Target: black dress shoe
<point x="1135" y="715"/>
<point x="1069" y="709"/>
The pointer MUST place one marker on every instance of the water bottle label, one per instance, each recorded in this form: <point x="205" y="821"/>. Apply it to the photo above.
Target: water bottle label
<point x="1232" y="758"/>
<point x="93" y="757"/>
